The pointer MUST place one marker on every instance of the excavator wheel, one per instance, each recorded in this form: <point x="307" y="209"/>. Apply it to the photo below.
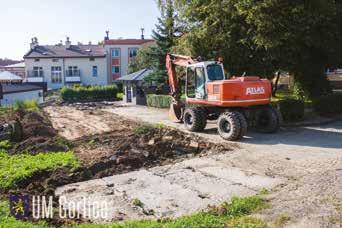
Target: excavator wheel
<point x="229" y="125"/>
<point x="268" y="120"/>
<point x="243" y="124"/>
<point x="194" y="119"/>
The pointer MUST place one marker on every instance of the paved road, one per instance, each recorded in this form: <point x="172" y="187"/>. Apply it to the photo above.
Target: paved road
<point x="302" y="166"/>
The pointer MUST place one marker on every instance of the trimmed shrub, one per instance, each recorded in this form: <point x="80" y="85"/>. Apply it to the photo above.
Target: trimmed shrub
<point x="158" y="101"/>
<point x="328" y="105"/>
<point x="292" y="109"/>
<point x="89" y="93"/>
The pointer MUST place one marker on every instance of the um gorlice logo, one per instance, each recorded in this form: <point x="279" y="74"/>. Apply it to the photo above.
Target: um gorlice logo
<point x="19" y="206"/>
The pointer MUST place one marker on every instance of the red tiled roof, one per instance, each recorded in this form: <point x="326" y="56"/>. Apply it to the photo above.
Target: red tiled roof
<point x="127" y="42"/>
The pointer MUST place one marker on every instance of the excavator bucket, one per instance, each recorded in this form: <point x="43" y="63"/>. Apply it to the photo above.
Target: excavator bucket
<point x="175" y="113"/>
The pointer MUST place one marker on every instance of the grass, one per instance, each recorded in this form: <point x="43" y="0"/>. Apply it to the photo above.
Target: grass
<point x="282" y="95"/>
<point x="5" y="145"/>
<point x="281" y="220"/>
<point x="146" y="128"/>
<point x="6" y="220"/>
<point x="233" y="214"/>
<point x="19" y="167"/>
<point x="31" y="105"/>
<point x="138" y="203"/>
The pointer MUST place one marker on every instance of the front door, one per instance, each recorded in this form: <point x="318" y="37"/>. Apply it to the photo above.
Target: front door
<point x="129" y="94"/>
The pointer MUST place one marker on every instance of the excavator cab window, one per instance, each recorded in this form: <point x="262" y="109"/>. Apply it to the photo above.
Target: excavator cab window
<point x="190" y="82"/>
<point x="215" y="72"/>
<point x="195" y="82"/>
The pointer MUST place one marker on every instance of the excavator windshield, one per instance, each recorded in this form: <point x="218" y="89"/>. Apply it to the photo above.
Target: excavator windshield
<point x="215" y="72"/>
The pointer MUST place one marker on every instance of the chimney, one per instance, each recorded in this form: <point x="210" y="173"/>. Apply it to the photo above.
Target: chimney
<point x="107" y="35"/>
<point x="89" y="43"/>
<point x="34" y="43"/>
<point x="142" y="33"/>
<point x="67" y="43"/>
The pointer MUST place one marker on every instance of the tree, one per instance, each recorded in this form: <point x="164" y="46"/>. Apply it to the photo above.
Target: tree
<point x="262" y="36"/>
<point x="166" y="32"/>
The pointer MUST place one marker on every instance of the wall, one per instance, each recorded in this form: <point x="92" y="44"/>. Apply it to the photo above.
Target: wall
<point x="11" y="98"/>
<point x="124" y="58"/>
<point x="83" y="64"/>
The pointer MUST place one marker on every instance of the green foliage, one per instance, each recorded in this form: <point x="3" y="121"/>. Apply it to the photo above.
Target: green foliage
<point x="89" y="93"/>
<point x="5" y="145"/>
<point x="19" y="167"/>
<point x="6" y="220"/>
<point x="31" y="105"/>
<point x="146" y="128"/>
<point x="119" y="95"/>
<point x="292" y="109"/>
<point x="260" y="37"/>
<point x="158" y="101"/>
<point x="138" y="203"/>
<point x="328" y="105"/>
<point x="244" y="206"/>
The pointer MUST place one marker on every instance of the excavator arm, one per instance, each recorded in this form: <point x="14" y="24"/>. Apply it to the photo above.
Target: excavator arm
<point x="172" y="61"/>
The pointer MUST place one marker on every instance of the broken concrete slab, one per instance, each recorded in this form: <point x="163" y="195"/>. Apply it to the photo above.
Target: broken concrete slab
<point x="169" y="191"/>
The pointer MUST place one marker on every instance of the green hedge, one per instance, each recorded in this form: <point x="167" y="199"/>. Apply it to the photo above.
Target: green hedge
<point x="89" y="93"/>
<point x="292" y="110"/>
<point x="158" y="101"/>
<point x="328" y="105"/>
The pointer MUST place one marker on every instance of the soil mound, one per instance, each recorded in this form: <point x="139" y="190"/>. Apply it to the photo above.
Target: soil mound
<point x="38" y="134"/>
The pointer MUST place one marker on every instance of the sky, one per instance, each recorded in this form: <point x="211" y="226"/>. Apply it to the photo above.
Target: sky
<point x="82" y="20"/>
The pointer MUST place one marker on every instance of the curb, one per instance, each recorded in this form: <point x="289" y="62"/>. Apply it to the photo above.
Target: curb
<point x="313" y="122"/>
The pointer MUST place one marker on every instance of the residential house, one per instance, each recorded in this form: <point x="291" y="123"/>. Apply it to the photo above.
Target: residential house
<point x="66" y="64"/>
<point x="17" y="69"/>
<point x="13" y="92"/>
<point x="120" y="52"/>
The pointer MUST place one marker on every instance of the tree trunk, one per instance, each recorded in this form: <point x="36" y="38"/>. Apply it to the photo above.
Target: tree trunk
<point x="275" y="86"/>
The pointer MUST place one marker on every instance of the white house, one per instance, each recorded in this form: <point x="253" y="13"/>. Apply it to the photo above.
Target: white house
<point x="61" y="65"/>
<point x="120" y="52"/>
<point x="11" y="93"/>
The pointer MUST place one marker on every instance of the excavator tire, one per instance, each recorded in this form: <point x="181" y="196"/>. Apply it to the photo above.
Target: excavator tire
<point x="268" y="120"/>
<point x="243" y="124"/>
<point x="194" y="119"/>
<point x="229" y="126"/>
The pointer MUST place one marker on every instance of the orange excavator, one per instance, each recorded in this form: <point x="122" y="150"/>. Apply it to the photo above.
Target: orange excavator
<point x="236" y="103"/>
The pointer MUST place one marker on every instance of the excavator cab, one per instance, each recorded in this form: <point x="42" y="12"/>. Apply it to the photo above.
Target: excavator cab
<point x="198" y="74"/>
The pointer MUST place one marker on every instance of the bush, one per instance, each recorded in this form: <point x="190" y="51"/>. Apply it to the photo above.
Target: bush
<point x="292" y="109"/>
<point x="28" y="105"/>
<point x="328" y="105"/>
<point x="89" y="93"/>
<point x="158" y="101"/>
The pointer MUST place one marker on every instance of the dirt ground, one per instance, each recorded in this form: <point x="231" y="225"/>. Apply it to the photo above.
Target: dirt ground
<point x="301" y="166"/>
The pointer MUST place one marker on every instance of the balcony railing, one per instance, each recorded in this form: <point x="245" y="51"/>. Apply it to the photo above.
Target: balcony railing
<point x="73" y="76"/>
<point x="35" y="76"/>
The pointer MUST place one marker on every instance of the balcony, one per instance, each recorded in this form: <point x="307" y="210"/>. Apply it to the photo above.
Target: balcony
<point x="73" y="76"/>
<point x="35" y="76"/>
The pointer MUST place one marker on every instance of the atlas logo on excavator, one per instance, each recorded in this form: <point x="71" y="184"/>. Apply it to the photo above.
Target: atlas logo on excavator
<point x="236" y="103"/>
<point x="255" y="90"/>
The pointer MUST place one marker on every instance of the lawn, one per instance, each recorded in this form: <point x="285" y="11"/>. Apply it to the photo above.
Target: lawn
<point x="19" y="167"/>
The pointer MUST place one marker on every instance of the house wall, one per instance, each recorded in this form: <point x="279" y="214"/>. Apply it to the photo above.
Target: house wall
<point x="11" y="98"/>
<point x="83" y="64"/>
<point x="124" y="59"/>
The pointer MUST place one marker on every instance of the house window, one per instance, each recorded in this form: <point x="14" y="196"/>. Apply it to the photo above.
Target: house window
<point x="116" y="53"/>
<point x="115" y="69"/>
<point x="36" y="60"/>
<point x="94" y="71"/>
<point x="56" y="74"/>
<point x="132" y="52"/>
<point x="55" y="60"/>
<point x="73" y="71"/>
<point x="38" y="72"/>
<point x="91" y="59"/>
